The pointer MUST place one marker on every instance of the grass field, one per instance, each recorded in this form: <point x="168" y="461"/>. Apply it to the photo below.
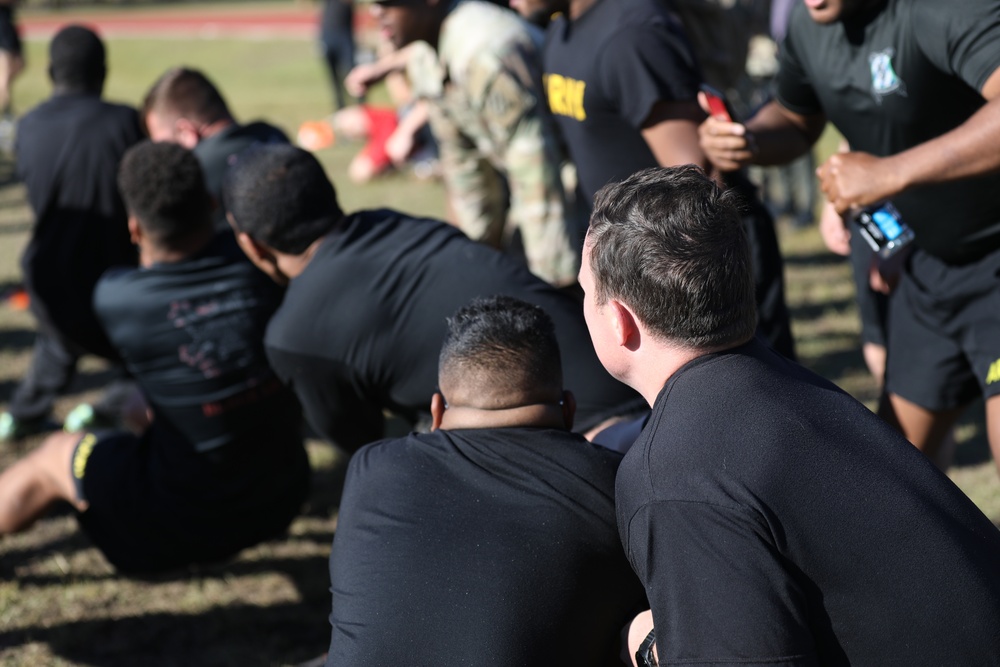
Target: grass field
<point x="60" y="603"/>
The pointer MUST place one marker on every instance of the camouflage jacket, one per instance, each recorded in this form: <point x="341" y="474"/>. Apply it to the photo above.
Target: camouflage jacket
<point x="483" y="85"/>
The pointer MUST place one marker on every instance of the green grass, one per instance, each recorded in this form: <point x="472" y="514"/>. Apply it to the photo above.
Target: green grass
<point x="60" y="603"/>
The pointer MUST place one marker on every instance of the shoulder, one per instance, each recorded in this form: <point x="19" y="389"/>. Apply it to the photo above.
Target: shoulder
<point x="481" y="37"/>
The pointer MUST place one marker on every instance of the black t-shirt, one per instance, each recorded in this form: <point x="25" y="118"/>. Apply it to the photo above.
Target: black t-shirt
<point x="361" y="328"/>
<point x="220" y="150"/>
<point x="774" y="520"/>
<point x="480" y="547"/>
<point x="897" y="77"/>
<point x="68" y="151"/>
<point x="191" y="333"/>
<point x="604" y="72"/>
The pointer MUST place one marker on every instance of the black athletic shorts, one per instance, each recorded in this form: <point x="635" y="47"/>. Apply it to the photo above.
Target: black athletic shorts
<point x="10" y="40"/>
<point x="144" y="524"/>
<point x="872" y="306"/>
<point x="944" y="332"/>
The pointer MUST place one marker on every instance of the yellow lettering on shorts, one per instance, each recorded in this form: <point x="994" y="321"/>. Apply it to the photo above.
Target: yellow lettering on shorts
<point x="83" y="451"/>
<point x="566" y="96"/>
<point x="994" y="374"/>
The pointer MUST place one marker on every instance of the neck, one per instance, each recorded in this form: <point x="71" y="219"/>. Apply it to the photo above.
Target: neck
<point x="578" y="8"/>
<point x="656" y="368"/>
<point x="151" y="253"/>
<point x="212" y="129"/>
<point x="63" y="89"/>
<point x="537" y="415"/>
<point x="292" y="266"/>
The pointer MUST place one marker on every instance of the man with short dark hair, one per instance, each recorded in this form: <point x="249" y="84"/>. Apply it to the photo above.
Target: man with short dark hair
<point x="772" y="518"/>
<point x="363" y="318"/>
<point x="185" y="107"/>
<point x="504" y="549"/>
<point x="221" y="466"/>
<point x="68" y="150"/>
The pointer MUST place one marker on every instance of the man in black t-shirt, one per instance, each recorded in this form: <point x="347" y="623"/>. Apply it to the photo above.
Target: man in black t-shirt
<point x="772" y="518"/>
<point x="622" y="83"/>
<point x="501" y="522"/>
<point x="222" y="465"/>
<point x="68" y="150"/>
<point x="368" y="295"/>
<point x="184" y="107"/>
<point x="913" y="88"/>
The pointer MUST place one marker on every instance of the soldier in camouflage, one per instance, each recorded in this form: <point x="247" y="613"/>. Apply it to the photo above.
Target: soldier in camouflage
<point x="479" y="66"/>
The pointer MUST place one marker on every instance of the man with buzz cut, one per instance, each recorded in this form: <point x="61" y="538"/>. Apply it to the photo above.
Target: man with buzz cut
<point x="501" y="521"/>
<point x="773" y="519"/>
<point x="221" y="465"/>
<point x="368" y="294"/>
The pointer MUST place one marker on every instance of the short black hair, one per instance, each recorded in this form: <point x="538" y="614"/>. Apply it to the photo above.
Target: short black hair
<point x="163" y="187"/>
<point x="77" y="59"/>
<point x="278" y="194"/>
<point x="504" y="345"/>
<point x="186" y="93"/>
<point x="670" y="244"/>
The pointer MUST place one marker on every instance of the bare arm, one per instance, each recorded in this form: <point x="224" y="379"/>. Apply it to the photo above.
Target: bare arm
<point x="671" y="132"/>
<point x="775" y="135"/>
<point x="852" y="180"/>
<point x="361" y="77"/>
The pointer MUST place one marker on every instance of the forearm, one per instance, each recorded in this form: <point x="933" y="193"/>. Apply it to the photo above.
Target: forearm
<point x="537" y="202"/>
<point x="971" y="149"/>
<point x="778" y="136"/>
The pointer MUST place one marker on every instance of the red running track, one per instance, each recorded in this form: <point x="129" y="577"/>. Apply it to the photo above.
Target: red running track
<point x="294" y="21"/>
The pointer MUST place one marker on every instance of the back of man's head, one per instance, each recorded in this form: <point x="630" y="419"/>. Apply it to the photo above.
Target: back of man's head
<point x="164" y="189"/>
<point x="279" y="195"/>
<point x="185" y="93"/>
<point x="77" y="60"/>
<point x="500" y="352"/>
<point x="669" y="244"/>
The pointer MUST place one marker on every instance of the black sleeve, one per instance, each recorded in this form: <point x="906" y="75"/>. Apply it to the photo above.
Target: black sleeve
<point x="648" y="65"/>
<point x="331" y="398"/>
<point x="962" y="39"/>
<point x="739" y="606"/>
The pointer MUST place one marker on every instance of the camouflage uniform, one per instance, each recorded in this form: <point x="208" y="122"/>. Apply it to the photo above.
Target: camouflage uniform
<point x="483" y="86"/>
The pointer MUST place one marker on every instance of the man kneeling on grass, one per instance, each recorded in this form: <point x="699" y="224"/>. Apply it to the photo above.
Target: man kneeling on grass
<point x="221" y="466"/>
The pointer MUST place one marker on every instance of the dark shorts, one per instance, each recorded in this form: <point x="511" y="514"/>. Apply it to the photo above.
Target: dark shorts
<point x="145" y="524"/>
<point x="872" y="306"/>
<point x="10" y="40"/>
<point x="944" y="332"/>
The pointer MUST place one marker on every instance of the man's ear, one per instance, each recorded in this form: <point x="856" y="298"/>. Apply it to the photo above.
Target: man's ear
<point x="437" y="410"/>
<point x="187" y="133"/>
<point x="568" y="408"/>
<point x="134" y="230"/>
<point x="262" y="257"/>
<point x="625" y="325"/>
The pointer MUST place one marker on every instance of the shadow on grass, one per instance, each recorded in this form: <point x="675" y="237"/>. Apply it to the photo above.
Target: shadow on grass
<point x="814" y="311"/>
<point x="817" y="259"/>
<point x="284" y="633"/>
<point x="240" y="633"/>
<point x="81" y="383"/>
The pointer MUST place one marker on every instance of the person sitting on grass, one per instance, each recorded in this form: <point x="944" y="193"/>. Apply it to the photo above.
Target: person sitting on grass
<point x="221" y="465"/>
<point x="504" y="547"/>
<point x="185" y="107"/>
<point x="362" y="321"/>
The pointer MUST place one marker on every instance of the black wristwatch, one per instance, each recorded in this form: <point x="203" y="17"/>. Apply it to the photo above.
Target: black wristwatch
<point x="644" y="656"/>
